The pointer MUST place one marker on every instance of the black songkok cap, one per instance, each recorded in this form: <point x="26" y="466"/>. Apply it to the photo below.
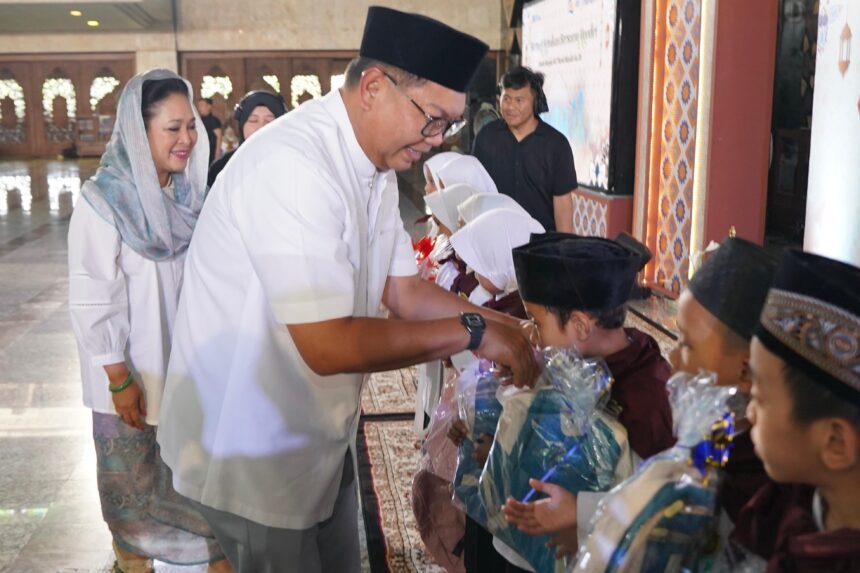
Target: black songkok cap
<point x="577" y="273"/>
<point x="630" y="242"/>
<point x="812" y="321"/>
<point x="732" y="284"/>
<point x="422" y="46"/>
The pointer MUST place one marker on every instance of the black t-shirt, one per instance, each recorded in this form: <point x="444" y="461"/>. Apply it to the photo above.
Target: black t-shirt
<point x="531" y="171"/>
<point x="211" y="123"/>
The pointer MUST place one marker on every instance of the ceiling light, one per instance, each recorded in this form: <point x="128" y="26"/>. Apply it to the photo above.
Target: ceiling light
<point x="76" y="13"/>
<point x="93" y="23"/>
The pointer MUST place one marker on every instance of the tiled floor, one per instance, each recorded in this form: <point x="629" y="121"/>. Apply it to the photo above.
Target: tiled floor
<point x="50" y="519"/>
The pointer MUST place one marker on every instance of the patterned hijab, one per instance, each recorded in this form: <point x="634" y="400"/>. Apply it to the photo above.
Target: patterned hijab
<point x="125" y="190"/>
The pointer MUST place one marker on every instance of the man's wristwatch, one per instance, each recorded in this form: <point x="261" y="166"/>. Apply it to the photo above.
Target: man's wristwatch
<point x="475" y="326"/>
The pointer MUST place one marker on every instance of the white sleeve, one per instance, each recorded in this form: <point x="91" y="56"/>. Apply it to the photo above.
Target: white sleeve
<point x="586" y="507"/>
<point x="98" y="300"/>
<point x="403" y="261"/>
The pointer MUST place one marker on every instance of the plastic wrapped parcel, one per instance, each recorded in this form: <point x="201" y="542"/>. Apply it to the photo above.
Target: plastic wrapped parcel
<point x="664" y="516"/>
<point x="559" y="432"/>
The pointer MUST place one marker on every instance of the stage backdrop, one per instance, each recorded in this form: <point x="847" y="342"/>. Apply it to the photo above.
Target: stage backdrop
<point x="578" y="46"/>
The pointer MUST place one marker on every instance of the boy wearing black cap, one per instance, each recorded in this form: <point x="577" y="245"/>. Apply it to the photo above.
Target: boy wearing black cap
<point x="717" y="315"/>
<point x="576" y="290"/>
<point x="805" y="412"/>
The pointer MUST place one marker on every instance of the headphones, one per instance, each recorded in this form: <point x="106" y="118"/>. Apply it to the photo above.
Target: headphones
<point x="541" y="105"/>
<point x="535" y="81"/>
<point x="239" y="111"/>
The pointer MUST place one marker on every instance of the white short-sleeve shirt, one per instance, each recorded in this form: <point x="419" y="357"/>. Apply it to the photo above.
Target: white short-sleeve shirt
<point x="300" y="227"/>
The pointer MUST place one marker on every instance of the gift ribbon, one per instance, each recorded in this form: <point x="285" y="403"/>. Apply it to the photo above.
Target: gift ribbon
<point x="714" y="450"/>
<point x="554" y="469"/>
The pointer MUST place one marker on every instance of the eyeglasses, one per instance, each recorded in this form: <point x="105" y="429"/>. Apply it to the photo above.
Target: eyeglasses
<point x="435" y="125"/>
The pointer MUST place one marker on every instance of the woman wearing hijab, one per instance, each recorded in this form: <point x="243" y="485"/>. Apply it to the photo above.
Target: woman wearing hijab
<point x="127" y="243"/>
<point x="253" y="111"/>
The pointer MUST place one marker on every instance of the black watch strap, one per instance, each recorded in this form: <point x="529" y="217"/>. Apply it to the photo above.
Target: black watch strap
<point x="475" y="326"/>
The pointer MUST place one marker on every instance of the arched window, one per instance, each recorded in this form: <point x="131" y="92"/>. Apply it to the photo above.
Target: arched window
<point x="273" y="82"/>
<point x="104" y="84"/>
<point x="13" y="109"/>
<point x="59" y="106"/>
<point x="216" y="82"/>
<point x="304" y="84"/>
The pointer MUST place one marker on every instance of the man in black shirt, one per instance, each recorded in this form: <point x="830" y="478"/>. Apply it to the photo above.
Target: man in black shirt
<point x="213" y="127"/>
<point x="528" y="159"/>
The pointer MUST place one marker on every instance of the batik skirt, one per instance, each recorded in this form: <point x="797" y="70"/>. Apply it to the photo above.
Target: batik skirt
<point x="142" y="510"/>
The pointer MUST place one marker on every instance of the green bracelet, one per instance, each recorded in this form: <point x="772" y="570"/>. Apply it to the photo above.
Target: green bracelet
<point x="122" y="386"/>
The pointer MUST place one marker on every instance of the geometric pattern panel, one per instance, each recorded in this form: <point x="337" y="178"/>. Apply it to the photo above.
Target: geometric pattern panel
<point x="678" y="143"/>
<point x="589" y="216"/>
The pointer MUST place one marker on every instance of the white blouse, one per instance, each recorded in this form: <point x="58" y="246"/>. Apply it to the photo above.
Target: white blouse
<point x="122" y="307"/>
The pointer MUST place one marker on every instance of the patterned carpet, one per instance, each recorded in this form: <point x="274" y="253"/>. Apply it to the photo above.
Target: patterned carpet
<point x="388" y="458"/>
<point x="388" y="393"/>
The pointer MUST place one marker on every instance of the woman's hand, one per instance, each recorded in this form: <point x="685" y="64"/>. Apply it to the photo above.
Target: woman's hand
<point x="553" y="514"/>
<point x="130" y="403"/>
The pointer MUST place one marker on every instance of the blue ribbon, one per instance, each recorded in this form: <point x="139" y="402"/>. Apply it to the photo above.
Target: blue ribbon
<point x="554" y="468"/>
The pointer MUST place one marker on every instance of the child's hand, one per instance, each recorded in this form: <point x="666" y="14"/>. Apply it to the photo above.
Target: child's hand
<point x="457" y="432"/>
<point x="482" y="448"/>
<point x="553" y="514"/>
<point x="565" y="541"/>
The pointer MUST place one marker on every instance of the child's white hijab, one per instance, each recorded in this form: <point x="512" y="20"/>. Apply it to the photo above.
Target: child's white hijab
<point x="449" y="168"/>
<point x="485" y="244"/>
<point x="444" y="202"/>
<point x="477" y="205"/>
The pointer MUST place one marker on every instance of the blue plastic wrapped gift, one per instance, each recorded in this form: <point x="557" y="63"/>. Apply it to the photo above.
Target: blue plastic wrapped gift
<point x="556" y="431"/>
<point x="664" y="517"/>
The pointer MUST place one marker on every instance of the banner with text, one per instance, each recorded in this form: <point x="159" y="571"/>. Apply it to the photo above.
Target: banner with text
<point x="572" y="43"/>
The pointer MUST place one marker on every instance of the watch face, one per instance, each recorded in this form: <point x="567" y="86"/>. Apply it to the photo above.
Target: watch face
<point x="474" y="320"/>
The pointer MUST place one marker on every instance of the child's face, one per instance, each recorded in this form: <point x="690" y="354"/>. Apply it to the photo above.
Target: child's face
<point x="430" y="185"/>
<point x="550" y="333"/>
<point x="785" y="446"/>
<point x="442" y="228"/>
<point x="701" y="345"/>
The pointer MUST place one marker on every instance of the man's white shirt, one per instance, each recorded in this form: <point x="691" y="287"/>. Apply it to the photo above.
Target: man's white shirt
<point x="300" y="227"/>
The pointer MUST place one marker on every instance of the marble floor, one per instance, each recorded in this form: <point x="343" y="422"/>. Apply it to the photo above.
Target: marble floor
<point x="50" y="520"/>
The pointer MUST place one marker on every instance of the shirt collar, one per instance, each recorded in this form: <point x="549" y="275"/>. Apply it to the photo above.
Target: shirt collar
<point x="364" y="167"/>
<point x="818" y="511"/>
<point x="539" y="131"/>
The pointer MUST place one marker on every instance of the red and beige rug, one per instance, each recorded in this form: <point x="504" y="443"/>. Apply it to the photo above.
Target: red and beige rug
<point x="388" y="458"/>
<point x="391" y="392"/>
